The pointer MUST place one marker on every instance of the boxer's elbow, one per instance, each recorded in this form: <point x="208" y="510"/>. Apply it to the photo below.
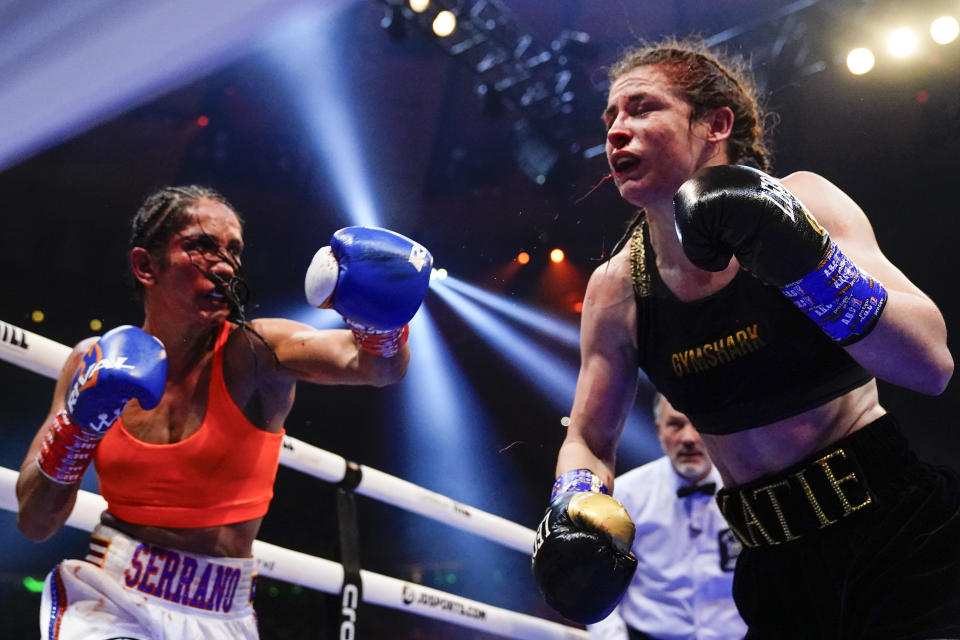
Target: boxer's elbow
<point x="390" y="371"/>
<point x="940" y="374"/>
<point x="42" y="506"/>
<point x="36" y="529"/>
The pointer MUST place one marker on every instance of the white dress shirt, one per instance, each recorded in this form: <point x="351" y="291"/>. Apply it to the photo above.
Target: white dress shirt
<point x="686" y="555"/>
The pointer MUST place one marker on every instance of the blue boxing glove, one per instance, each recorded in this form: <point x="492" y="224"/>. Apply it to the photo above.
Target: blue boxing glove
<point x="376" y="279"/>
<point x="581" y="557"/>
<point x="124" y="363"/>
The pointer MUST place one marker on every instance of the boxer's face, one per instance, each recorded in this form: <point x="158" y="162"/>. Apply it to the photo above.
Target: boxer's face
<point x="682" y="443"/>
<point x="210" y="244"/>
<point x="652" y="144"/>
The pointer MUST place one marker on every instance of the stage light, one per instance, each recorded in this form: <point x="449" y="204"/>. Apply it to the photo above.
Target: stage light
<point x="901" y="43"/>
<point x="419" y="6"/>
<point x="523" y="257"/>
<point x="37" y="316"/>
<point x="944" y="30"/>
<point x="438" y="274"/>
<point x="203" y="121"/>
<point x="556" y="255"/>
<point x="96" y="324"/>
<point x="860" y="61"/>
<point x="444" y="24"/>
<point x="565" y="421"/>
<point x="578" y="307"/>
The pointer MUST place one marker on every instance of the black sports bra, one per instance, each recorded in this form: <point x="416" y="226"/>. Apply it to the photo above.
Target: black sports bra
<point x="740" y="358"/>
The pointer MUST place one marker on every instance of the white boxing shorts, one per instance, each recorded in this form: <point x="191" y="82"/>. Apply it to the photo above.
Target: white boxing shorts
<point x="127" y="589"/>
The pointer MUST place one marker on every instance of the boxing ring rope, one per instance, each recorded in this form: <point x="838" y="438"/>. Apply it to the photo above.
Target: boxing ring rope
<point x="46" y="357"/>
<point x="384" y="487"/>
<point x="327" y="576"/>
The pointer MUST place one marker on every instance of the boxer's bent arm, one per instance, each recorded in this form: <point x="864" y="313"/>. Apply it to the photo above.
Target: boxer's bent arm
<point x="328" y="356"/>
<point x="45" y="505"/>
<point x="607" y="383"/>
<point x="908" y="345"/>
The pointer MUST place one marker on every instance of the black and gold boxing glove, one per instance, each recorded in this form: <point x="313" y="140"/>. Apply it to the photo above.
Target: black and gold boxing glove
<point x="732" y="210"/>
<point x="581" y="558"/>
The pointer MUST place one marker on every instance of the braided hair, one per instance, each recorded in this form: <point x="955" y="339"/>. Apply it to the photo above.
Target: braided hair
<point x="163" y="214"/>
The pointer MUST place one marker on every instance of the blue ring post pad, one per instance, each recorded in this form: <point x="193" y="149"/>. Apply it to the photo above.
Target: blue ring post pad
<point x="845" y="301"/>
<point x="578" y="480"/>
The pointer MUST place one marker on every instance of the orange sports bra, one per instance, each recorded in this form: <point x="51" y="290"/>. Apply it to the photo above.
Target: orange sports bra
<point x="222" y="474"/>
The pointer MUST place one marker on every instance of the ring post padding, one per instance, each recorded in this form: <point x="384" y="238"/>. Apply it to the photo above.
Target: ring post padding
<point x="327" y="576"/>
<point x="46" y="357"/>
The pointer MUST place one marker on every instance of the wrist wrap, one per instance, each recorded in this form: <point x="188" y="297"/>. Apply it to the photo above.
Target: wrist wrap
<point x="380" y="342"/>
<point x="578" y="480"/>
<point x="844" y="300"/>
<point x="66" y="450"/>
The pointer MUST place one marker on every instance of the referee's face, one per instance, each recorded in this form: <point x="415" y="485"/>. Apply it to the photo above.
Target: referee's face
<point x="682" y="443"/>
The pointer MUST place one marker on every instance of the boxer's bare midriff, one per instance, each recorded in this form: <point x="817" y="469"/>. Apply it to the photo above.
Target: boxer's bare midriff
<point x="229" y="540"/>
<point x="747" y="455"/>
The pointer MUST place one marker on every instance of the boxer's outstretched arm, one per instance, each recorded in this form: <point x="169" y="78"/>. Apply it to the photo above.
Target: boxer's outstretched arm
<point x="328" y="356"/>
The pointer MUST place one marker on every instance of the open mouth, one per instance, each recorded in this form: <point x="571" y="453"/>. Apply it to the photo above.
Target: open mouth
<point x="624" y="163"/>
<point x="217" y="297"/>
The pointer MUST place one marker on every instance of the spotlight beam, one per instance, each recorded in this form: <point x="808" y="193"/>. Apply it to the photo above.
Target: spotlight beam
<point x="436" y="386"/>
<point x="553" y="377"/>
<point x="563" y="332"/>
<point x="311" y="58"/>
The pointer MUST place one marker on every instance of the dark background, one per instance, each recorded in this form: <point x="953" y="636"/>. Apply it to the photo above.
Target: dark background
<point x="448" y="174"/>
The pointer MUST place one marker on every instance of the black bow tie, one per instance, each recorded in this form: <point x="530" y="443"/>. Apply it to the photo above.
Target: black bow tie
<point x="707" y="488"/>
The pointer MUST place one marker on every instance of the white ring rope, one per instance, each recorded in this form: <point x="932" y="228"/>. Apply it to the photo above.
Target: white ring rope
<point x="314" y="461"/>
<point x="46" y="357"/>
<point x="31" y="351"/>
<point x="327" y="576"/>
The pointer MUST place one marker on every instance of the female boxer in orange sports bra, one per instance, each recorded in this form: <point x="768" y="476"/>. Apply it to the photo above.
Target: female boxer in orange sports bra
<point x="187" y="468"/>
